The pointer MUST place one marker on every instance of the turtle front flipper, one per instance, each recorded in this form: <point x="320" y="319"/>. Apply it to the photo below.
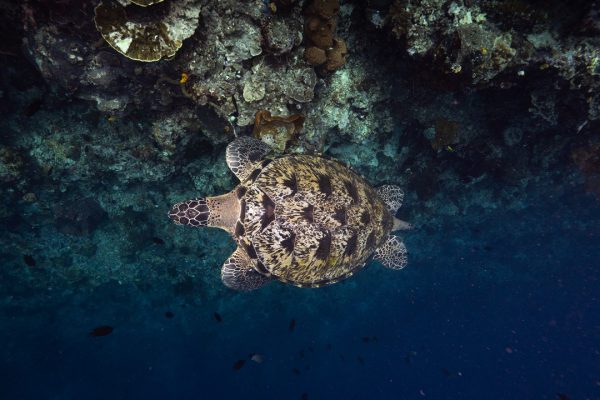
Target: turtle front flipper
<point x="392" y="253"/>
<point x="237" y="273"/>
<point x="244" y="154"/>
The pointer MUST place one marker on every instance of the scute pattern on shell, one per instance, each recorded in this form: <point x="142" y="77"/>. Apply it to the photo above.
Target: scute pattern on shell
<point x="312" y="221"/>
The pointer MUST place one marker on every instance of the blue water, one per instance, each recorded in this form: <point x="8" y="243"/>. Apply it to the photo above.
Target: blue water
<point x="503" y="304"/>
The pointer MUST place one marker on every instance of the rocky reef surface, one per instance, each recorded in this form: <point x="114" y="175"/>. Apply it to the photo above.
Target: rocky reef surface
<point x="474" y="107"/>
<point x="466" y="105"/>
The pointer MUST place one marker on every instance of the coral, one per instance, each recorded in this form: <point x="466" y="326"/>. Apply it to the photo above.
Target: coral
<point x="68" y="154"/>
<point x="277" y="131"/>
<point x="242" y="60"/>
<point x="319" y="32"/>
<point x="11" y="165"/>
<point x="282" y="34"/>
<point x="254" y="90"/>
<point x="322" y="46"/>
<point x="314" y="55"/>
<point x="241" y="39"/>
<point x="267" y="87"/>
<point x="175" y="131"/>
<point x="489" y="43"/>
<point x="336" y="55"/>
<point x="351" y="105"/>
<point x="146" y="39"/>
<point x="326" y="9"/>
<point x="458" y="37"/>
<point x="79" y="217"/>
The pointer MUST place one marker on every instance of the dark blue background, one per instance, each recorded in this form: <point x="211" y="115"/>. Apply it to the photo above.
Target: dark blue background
<point x="497" y="306"/>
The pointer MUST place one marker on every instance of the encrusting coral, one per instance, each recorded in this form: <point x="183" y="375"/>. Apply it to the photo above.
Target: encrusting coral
<point x="149" y="39"/>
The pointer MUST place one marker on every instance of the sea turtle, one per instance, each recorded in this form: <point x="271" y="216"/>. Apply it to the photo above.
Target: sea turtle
<point x="300" y="219"/>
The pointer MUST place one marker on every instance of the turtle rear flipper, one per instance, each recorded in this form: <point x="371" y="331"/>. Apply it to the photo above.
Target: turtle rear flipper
<point x="392" y="195"/>
<point x="237" y="273"/>
<point x="243" y="155"/>
<point x="392" y="253"/>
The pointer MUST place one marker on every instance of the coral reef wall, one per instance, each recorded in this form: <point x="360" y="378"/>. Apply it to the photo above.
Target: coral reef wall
<point x="471" y="106"/>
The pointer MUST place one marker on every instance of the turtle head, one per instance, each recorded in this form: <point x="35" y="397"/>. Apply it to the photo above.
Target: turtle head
<point x="219" y="212"/>
<point x="194" y="212"/>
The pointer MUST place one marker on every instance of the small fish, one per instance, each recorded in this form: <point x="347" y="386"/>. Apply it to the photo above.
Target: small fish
<point x="451" y="374"/>
<point x="296" y="371"/>
<point x="409" y="356"/>
<point x="157" y="240"/>
<point x="257" y="358"/>
<point x="169" y="314"/>
<point x="301" y="353"/>
<point x="292" y="325"/>
<point x="218" y="317"/>
<point x="184" y="78"/>
<point x="366" y="339"/>
<point x="562" y="396"/>
<point x="304" y="396"/>
<point x="360" y="360"/>
<point x="101" y="331"/>
<point x="29" y="260"/>
<point x="239" y="364"/>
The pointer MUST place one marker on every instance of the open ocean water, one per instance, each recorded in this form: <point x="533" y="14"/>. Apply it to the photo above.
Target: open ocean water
<point x="102" y="297"/>
<point x="503" y="305"/>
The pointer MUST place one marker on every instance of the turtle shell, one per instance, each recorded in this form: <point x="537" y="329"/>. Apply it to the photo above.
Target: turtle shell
<point x="310" y="221"/>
